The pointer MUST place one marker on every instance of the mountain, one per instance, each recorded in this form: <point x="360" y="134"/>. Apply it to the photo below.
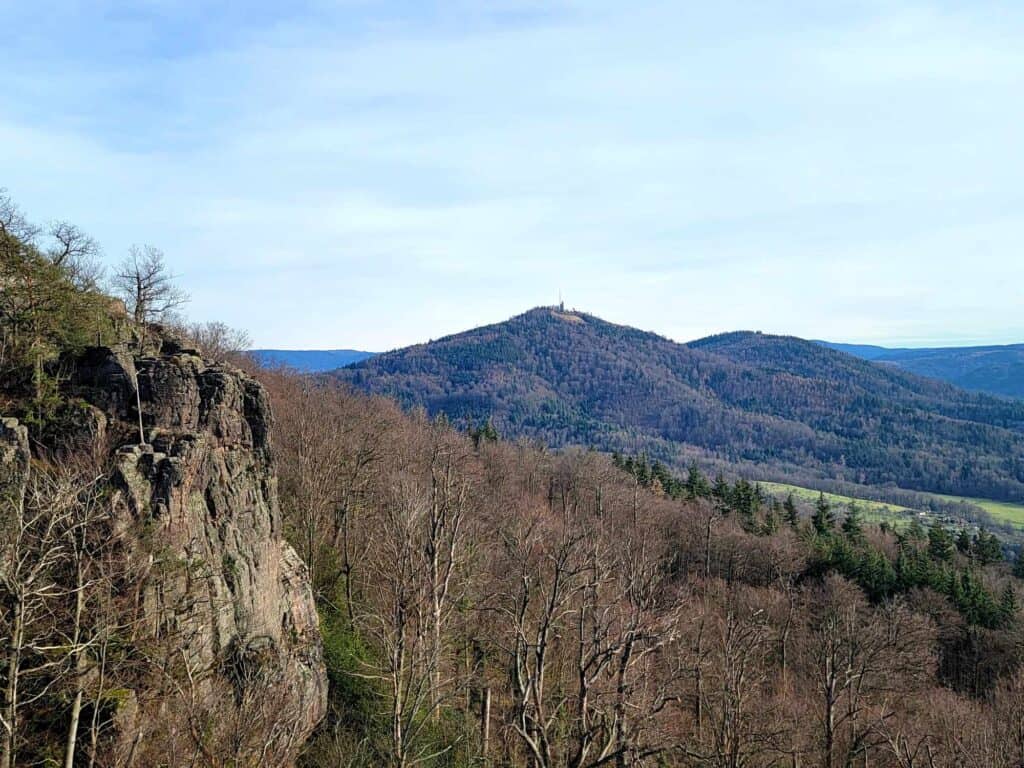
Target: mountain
<point x="309" y="360"/>
<point x="998" y="369"/>
<point x="866" y="351"/>
<point x="791" y="407"/>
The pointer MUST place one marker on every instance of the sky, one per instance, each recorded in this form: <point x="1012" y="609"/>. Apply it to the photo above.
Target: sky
<point x="374" y="174"/>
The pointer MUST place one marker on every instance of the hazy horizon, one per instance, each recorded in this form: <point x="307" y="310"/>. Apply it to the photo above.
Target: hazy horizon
<point x="369" y="176"/>
<point x="349" y="348"/>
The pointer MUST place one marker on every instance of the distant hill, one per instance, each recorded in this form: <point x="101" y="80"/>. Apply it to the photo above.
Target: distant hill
<point x="310" y="360"/>
<point x="998" y="370"/>
<point x="789" y="406"/>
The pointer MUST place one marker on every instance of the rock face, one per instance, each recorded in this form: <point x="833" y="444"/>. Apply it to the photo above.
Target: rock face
<point x="14" y="458"/>
<point x="14" y="463"/>
<point x="226" y="589"/>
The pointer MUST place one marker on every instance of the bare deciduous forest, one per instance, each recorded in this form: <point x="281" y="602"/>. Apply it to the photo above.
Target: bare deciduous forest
<point x="202" y="570"/>
<point x="493" y="603"/>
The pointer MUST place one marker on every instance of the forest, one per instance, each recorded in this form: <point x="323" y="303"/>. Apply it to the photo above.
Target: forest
<point x="475" y="600"/>
<point x="493" y="602"/>
<point x="788" y="409"/>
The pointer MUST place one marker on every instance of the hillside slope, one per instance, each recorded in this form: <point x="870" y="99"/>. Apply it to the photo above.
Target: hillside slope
<point x="782" y="403"/>
<point x="997" y="369"/>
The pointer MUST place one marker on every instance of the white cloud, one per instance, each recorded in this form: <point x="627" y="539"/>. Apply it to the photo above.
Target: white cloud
<point x="363" y="175"/>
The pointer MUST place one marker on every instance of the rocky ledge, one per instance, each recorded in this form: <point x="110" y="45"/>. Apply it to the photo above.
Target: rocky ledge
<point x="197" y="500"/>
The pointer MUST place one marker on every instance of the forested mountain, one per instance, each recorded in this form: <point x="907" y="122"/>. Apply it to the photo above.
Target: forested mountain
<point x="186" y="581"/>
<point x="785" y="404"/>
<point x="309" y="360"/>
<point x="997" y="369"/>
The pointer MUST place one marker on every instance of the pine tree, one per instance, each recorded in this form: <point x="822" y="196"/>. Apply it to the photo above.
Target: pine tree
<point x="722" y="492"/>
<point x="791" y="514"/>
<point x="1018" y="565"/>
<point x="963" y="542"/>
<point x="697" y="486"/>
<point x="485" y="434"/>
<point x="987" y="548"/>
<point x="823" y="519"/>
<point x="852" y="526"/>
<point x="771" y="518"/>
<point x="940" y="543"/>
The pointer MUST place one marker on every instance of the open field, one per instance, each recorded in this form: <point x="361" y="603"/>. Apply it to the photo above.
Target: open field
<point x="875" y="511"/>
<point x="1000" y="511"/>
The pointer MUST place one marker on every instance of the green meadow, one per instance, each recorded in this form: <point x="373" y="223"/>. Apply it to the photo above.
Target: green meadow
<point x="1000" y="511"/>
<point x="875" y="511"/>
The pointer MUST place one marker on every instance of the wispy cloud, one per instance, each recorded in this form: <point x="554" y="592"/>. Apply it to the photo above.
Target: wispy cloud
<point x="365" y="174"/>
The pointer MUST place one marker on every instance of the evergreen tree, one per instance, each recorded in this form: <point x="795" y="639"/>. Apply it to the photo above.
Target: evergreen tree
<point x="791" y="514"/>
<point x="823" y="519"/>
<point x="940" y="543"/>
<point x="772" y="517"/>
<point x="744" y="500"/>
<point x="722" y="492"/>
<point x="641" y="470"/>
<point x="852" y="525"/>
<point x="697" y="486"/>
<point x="987" y="549"/>
<point x="1018" y="565"/>
<point x="485" y="434"/>
<point x="963" y="542"/>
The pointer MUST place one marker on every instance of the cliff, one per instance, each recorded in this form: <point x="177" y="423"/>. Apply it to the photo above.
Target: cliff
<point x="225" y="616"/>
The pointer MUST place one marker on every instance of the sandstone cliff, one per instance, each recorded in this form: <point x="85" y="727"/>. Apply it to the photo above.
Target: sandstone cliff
<point x="219" y="592"/>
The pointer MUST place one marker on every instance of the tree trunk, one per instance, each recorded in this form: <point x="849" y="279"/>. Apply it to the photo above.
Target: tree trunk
<point x="76" y="704"/>
<point x="485" y="723"/>
<point x="7" y="749"/>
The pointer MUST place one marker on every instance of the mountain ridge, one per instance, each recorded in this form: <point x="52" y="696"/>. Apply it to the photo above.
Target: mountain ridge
<point x="781" y="402"/>
<point x="997" y="369"/>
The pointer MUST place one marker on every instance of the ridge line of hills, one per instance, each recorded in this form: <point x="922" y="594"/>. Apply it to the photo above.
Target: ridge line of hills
<point x="791" y="408"/>
<point x="997" y="369"/>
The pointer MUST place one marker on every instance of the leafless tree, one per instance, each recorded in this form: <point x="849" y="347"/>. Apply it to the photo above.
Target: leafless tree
<point x="742" y="727"/>
<point x="146" y="285"/>
<point x="861" y="661"/>
<point x="12" y="220"/>
<point x="219" y="342"/>
<point x="76" y="253"/>
<point x="32" y="594"/>
<point x="397" y="617"/>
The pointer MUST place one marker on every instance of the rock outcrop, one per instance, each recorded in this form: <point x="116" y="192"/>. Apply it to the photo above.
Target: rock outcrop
<point x="197" y="503"/>
<point x="14" y="463"/>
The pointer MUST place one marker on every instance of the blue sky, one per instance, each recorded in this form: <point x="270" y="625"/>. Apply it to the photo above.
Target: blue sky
<point x="368" y="175"/>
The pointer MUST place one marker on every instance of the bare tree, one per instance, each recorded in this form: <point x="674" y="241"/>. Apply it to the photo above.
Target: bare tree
<point x="13" y="222"/>
<point x="146" y="285"/>
<point x="860" y="661"/>
<point x="397" y="618"/>
<point x="586" y="618"/>
<point x="742" y="727"/>
<point x="443" y="542"/>
<point x="76" y="253"/>
<point x="218" y="341"/>
<point x="32" y="593"/>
